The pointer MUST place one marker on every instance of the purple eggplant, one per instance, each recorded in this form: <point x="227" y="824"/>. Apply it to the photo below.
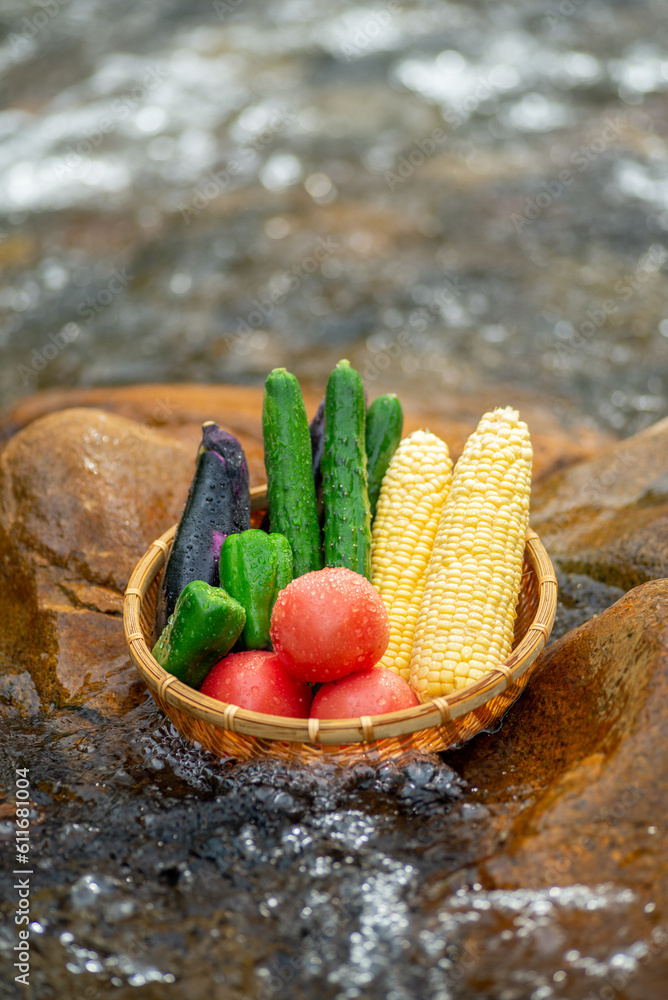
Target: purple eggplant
<point x="317" y="432"/>
<point x="218" y="505"/>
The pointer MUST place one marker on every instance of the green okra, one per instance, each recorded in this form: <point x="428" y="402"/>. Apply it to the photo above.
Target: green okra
<point x="205" y="624"/>
<point x="254" y="566"/>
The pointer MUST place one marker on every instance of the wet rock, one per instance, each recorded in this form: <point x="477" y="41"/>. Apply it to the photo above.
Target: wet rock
<point x="82" y="495"/>
<point x="83" y="492"/>
<point x="579" y="599"/>
<point x="583" y="753"/>
<point x="17" y="692"/>
<point x="175" y="410"/>
<point x="607" y="517"/>
<point x="179" y="411"/>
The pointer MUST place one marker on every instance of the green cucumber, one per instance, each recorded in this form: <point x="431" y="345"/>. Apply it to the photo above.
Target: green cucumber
<point x="384" y="424"/>
<point x="344" y="473"/>
<point x="287" y="457"/>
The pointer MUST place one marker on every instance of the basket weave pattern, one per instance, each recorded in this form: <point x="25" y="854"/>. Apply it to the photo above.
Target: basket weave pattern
<point x="229" y="731"/>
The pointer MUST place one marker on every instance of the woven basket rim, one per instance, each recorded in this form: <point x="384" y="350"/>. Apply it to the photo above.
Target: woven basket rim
<point x="332" y="732"/>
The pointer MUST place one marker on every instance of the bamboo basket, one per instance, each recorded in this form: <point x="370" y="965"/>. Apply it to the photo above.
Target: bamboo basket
<point x="230" y="731"/>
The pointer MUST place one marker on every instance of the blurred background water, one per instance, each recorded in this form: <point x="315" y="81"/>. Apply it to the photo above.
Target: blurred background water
<point x="457" y="197"/>
<point x="454" y="195"/>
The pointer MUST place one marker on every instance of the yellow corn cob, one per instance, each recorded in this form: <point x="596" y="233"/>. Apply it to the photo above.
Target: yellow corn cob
<point x="465" y="623"/>
<point x="411" y="498"/>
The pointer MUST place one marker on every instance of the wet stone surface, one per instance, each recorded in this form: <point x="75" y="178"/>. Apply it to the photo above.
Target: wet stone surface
<point x="155" y="864"/>
<point x="526" y="864"/>
<point x="579" y="599"/>
<point x="531" y="863"/>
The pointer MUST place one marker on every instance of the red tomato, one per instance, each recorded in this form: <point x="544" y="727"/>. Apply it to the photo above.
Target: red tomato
<point x="369" y="692"/>
<point x="328" y="623"/>
<point x="258" y="681"/>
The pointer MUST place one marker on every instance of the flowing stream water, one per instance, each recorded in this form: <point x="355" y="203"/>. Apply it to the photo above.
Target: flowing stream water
<point x="454" y="196"/>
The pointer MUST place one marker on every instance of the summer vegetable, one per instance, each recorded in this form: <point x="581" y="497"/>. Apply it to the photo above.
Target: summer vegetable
<point x="369" y="692"/>
<point x="254" y="567"/>
<point x="411" y="499"/>
<point x="218" y="505"/>
<point x="257" y="680"/>
<point x="288" y="462"/>
<point x="466" y="618"/>
<point x="329" y="623"/>
<point x="347" y="530"/>
<point x="422" y="605"/>
<point x="317" y="431"/>
<point x="204" y="626"/>
<point x="384" y="423"/>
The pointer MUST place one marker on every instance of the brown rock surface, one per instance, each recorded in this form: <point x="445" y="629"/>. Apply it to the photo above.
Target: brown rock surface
<point x="179" y="410"/>
<point x="583" y="755"/>
<point x="82" y="495"/>
<point x="607" y="517"/>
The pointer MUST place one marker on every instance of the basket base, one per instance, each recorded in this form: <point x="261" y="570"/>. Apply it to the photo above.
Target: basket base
<point x="223" y="743"/>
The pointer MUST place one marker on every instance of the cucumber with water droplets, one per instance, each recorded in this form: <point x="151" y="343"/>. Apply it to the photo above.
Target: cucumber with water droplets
<point x="347" y="533"/>
<point x="288" y="461"/>
<point x="384" y="425"/>
<point x="317" y="432"/>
